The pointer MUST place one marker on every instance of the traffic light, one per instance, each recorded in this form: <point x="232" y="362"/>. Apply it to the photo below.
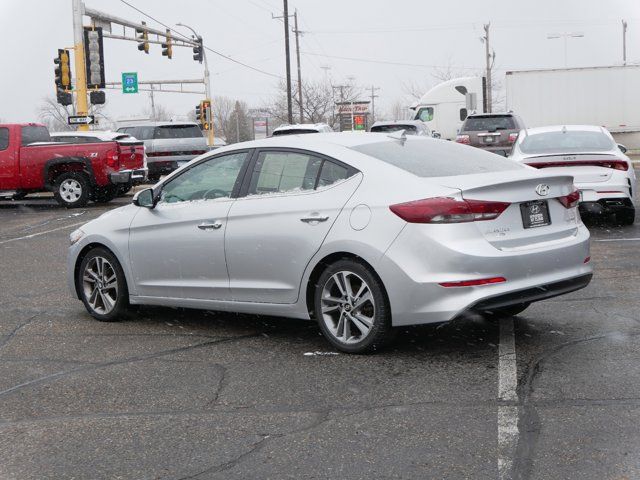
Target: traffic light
<point x="143" y="38"/>
<point x="167" y="49"/>
<point x="62" y="70"/>
<point x="205" y="108"/>
<point x="198" y="50"/>
<point x="199" y="113"/>
<point x="97" y="97"/>
<point x="63" y="97"/>
<point x="94" y="57"/>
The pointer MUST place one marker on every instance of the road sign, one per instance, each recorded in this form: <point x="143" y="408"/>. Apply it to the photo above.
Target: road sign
<point x="81" y="120"/>
<point x="129" y="82"/>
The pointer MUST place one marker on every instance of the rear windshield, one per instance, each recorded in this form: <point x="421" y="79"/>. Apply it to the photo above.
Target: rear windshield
<point x="32" y="134"/>
<point x="296" y="131"/>
<point x="489" y="123"/>
<point x="140" y="132"/>
<point x="73" y="139"/>
<point x="436" y="158"/>
<point x="176" y="131"/>
<point x="567" y="141"/>
<point x="409" y="129"/>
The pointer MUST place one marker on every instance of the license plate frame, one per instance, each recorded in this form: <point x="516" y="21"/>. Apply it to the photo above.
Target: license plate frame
<point x="535" y="214"/>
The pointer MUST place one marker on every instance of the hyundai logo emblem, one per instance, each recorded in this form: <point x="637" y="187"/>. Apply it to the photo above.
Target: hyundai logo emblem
<point x="543" y="190"/>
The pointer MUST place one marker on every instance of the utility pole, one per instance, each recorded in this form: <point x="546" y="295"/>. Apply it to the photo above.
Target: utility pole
<point x="373" y="97"/>
<point x="288" y="60"/>
<point x="298" y="33"/>
<point x="488" y="58"/>
<point x="78" y="53"/>
<point x="624" y="42"/>
<point x="153" y="104"/>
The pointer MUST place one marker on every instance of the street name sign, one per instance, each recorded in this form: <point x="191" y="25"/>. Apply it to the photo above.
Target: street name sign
<point x="81" y="119"/>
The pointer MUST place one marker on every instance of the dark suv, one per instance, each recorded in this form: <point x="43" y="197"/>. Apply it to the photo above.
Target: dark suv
<point x="494" y="132"/>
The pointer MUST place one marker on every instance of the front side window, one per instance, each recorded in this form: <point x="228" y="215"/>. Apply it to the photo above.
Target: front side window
<point x="425" y="114"/>
<point x="4" y="138"/>
<point x="277" y="172"/>
<point x="209" y="180"/>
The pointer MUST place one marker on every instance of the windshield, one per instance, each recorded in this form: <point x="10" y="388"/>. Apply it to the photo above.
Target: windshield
<point x="566" y="141"/>
<point x="425" y="114"/>
<point x="294" y="131"/>
<point x="437" y="158"/>
<point x="139" y="132"/>
<point x="489" y="123"/>
<point x="408" y="129"/>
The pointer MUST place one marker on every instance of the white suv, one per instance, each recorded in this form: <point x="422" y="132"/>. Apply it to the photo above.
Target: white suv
<point x="300" y="128"/>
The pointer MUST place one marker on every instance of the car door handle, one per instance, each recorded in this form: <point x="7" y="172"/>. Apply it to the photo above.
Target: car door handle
<point x="314" y="219"/>
<point x="210" y="226"/>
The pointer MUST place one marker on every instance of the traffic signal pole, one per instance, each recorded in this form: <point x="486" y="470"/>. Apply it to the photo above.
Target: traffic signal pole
<point x="78" y="49"/>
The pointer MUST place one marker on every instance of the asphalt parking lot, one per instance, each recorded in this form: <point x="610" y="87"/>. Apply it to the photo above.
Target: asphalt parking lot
<point x="184" y="394"/>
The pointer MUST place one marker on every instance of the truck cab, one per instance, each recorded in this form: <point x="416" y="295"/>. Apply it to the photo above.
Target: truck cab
<point x="446" y="106"/>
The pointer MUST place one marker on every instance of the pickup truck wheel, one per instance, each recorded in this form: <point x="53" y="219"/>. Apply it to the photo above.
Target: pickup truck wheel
<point x="104" y="194"/>
<point x="124" y="188"/>
<point x="102" y="286"/>
<point x="71" y="189"/>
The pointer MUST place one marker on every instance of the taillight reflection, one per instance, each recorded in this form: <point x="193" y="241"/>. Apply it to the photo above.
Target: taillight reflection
<point x="571" y="200"/>
<point x="463" y="139"/>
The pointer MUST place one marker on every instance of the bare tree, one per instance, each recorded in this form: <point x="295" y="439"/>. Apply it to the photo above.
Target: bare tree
<point x="158" y="114"/>
<point x="53" y="115"/>
<point x="238" y="128"/>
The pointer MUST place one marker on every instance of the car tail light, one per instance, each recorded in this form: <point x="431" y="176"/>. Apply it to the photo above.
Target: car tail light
<point x="513" y="137"/>
<point x="587" y="260"/>
<point x="474" y="283"/>
<point x="571" y="200"/>
<point x="113" y="159"/>
<point x="463" y="139"/>
<point x="448" y="210"/>
<point x="615" y="164"/>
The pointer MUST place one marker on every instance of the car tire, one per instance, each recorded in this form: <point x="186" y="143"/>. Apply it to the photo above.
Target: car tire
<point x="104" y="194"/>
<point x="351" y="307"/>
<point x="71" y="189"/>
<point x="510" y="311"/>
<point x="626" y="216"/>
<point x="153" y="178"/>
<point x="124" y="189"/>
<point x="102" y="286"/>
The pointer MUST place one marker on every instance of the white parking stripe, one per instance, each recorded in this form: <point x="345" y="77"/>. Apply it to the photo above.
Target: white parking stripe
<point x="26" y="237"/>
<point x="619" y="240"/>
<point x="507" y="385"/>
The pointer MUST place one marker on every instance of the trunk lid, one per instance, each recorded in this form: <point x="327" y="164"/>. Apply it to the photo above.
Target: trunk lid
<point x="131" y="154"/>
<point x="520" y="189"/>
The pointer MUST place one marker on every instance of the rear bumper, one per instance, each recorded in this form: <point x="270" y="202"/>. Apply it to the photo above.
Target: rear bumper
<point x="125" y="176"/>
<point x="415" y="265"/>
<point x="161" y="167"/>
<point x="532" y="294"/>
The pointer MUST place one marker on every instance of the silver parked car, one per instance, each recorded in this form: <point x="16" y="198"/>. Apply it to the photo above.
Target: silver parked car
<point x="168" y="144"/>
<point x="361" y="232"/>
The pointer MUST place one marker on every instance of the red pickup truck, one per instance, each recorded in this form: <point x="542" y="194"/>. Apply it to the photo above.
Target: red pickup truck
<point x="75" y="173"/>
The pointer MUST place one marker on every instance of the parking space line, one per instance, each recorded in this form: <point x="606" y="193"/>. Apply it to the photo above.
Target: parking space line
<point x="507" y="392"/>
<point x="637" y="239"/>
<point x="26" y="237"/>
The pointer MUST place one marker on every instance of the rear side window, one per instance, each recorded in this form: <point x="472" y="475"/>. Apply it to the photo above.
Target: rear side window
<point x="32" y="134"/>
<point x="176" y="131"/>
<point x="489" y="123"/>
<point x="4" y="138"/>
<point x="426" y="158"/>
<point x="278" y="172"/>
<point x="332" y="173"/>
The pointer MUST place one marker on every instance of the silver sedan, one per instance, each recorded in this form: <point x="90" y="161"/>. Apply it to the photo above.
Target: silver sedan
<point x="360" y="232"/>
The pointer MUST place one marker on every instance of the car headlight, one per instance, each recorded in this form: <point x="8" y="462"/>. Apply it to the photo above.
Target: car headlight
<point x="75" y="236"/>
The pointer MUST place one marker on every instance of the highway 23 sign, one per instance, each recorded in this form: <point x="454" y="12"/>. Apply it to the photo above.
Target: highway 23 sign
<point x="129" y="82"/>
<point x="81" y="120"/>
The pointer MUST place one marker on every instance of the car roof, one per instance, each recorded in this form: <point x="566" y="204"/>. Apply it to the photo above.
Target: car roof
<point x="301" y="126"/>
<point x="153" y="124"/>
<point x="102" y="135"/>
<point x="417" y="123"/>
<point x="492" y="114"/>
<point x="559" y="128"/>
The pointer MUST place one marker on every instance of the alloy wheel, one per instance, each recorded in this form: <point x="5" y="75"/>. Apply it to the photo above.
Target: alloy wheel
<point x="100" y="285"/>
<point x="348" y="307"/>
<point x="70" y="190"/>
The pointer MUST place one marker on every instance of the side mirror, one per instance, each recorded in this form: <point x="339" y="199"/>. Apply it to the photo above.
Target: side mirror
<point x="145" y="198"/>
<point x="622" y="148"/>
<point x="436" y="134"/>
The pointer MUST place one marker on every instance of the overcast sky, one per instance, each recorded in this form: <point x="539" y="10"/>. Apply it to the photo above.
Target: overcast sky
<point x="422" y="33"/>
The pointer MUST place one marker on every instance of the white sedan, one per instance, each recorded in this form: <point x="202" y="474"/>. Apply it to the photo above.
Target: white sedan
<point x="601" y="171"/>
<point x="361" y="232"/>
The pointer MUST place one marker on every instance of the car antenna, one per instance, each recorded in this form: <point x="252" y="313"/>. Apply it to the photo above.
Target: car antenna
<point x="399" y="135"/>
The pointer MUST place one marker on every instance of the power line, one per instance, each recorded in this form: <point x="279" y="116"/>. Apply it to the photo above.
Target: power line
<point x="385" y="62"/>
<point x="227" y="57"/>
